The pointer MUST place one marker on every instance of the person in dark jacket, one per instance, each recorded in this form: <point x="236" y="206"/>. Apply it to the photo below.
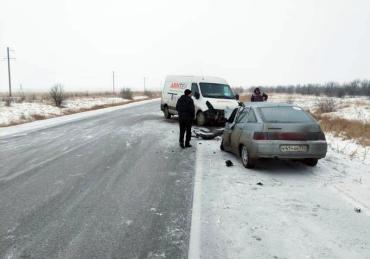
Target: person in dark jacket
<point x="186" y="110"/>
<point x="257" y="96"/>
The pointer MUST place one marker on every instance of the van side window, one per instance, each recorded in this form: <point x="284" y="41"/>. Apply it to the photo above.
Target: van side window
<point x="194" y="88"/>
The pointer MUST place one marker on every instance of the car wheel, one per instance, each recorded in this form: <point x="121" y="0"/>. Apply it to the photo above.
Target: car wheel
<point x="222" y="145"/>
<point x="247" y="161"/>
<point x="201" y="119"/>
<point x="167" y="113"/>
<point x="311" y="161"/>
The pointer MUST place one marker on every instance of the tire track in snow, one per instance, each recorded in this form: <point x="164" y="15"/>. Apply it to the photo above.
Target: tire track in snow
<point x="195" y="241"/>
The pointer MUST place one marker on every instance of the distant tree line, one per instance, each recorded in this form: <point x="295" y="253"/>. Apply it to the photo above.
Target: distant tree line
<point x="331" y="89"/>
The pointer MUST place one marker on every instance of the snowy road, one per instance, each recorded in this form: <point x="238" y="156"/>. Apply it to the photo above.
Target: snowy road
<point x="116" y="185"/>
<point x="110" y="186"/>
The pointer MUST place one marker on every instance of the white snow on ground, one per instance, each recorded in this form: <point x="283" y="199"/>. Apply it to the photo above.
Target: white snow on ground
<point x="295" y="212"/>
<point x="86" y="103"/>
<point x="350" y="108"/>
<point x="41" y="124"/>
<point x="29" y="111"/>
<point x="349" y="148"/>
<point x="22" y="112"/>
<point x="140" y="97"/>
<point x="353" y="112"/>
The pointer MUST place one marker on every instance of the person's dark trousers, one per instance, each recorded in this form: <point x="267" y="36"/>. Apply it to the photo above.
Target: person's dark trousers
<point x="185" y="127"/>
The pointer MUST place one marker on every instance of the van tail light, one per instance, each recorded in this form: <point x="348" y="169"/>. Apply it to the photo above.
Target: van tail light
<point x="289" y="136"/>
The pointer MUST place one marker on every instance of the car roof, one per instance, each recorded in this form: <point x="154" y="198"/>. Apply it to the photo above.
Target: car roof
<point x="190" y="78"/>
<point x="268" y="104"/>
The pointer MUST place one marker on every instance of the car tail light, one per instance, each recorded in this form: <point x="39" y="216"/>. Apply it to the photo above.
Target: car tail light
<point x="289" y="136"/>
<point x="260" y="136"/>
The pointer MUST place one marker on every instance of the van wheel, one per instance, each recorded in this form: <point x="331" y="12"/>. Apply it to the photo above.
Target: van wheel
<point x="310" y="161"/>
<point x="166" y="113"/>
<point x="201" y="119"/>
<point x="247" y="161"/>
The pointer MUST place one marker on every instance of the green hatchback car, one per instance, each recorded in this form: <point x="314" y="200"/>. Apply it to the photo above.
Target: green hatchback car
<point x="273" y="130"/>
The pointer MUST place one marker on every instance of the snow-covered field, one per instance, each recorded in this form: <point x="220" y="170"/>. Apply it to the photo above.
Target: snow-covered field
<point x="281" y="209"/>
<point x="350" y="108"/>
<point x="30" y="111"/>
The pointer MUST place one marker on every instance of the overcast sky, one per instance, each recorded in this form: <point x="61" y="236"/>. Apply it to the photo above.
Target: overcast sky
<point x="249" y="42"/>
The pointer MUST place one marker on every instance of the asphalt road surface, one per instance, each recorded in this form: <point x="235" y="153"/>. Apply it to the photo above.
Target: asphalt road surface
<point x="111" y="186"/>
<point x="116" y="185"/>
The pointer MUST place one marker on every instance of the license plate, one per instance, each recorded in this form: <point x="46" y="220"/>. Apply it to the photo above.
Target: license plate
<point x="293" y="148"/>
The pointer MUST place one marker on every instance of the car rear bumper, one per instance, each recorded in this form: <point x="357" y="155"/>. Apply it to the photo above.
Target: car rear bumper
<point x="271" y="149"/>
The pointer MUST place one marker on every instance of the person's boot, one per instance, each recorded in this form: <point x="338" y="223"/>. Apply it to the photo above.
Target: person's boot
<point x="188" y="145"/>
<point x="182" y="145"/>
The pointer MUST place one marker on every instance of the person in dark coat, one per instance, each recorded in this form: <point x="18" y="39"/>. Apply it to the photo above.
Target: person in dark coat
<point x="186" y="110"/>
<point x="258" y="96"/>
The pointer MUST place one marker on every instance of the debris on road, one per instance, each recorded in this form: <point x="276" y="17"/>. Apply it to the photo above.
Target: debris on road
<point x="358" y="210"/>
<point x="229" y="163"/>
<point x="257" y="238"/>
<point x="260" y="184"/>
<point x="205" y="133"/>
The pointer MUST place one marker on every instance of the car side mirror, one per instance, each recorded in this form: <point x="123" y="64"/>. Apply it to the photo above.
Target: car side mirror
<point x="196" y="95"/>
<point x="237" y="97"/>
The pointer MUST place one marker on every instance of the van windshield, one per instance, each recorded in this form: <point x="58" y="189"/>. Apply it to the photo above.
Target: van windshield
<point x="284" y="114"/>
<point x="212" y="90"/>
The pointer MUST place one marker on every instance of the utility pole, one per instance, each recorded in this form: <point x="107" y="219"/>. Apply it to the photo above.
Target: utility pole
<point x="144" y="84"/>
<point x="113" y="82"/>
<point x="9" y="77"/>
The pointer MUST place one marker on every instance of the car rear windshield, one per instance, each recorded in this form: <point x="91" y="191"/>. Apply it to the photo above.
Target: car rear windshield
<point x="284" y="114"/>
<point x="212" y="90"/>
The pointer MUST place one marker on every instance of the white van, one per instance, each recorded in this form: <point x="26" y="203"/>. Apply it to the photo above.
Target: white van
<point x="211" y="95"/>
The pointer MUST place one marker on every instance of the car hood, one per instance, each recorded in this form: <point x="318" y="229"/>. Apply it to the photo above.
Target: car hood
<point x="222" y="104"/>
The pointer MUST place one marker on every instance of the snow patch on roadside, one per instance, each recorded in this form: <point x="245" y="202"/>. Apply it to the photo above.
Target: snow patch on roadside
<point x="87" y="103"/>
<point x="350" y="108"/>
<point x="41" y="124"/>
<point x="30" y="111"/>
<point x="349" y="148"/>
<point x="22" y="112"/>
<point x="283" y="209"/>
<point x="140" y="97"/>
